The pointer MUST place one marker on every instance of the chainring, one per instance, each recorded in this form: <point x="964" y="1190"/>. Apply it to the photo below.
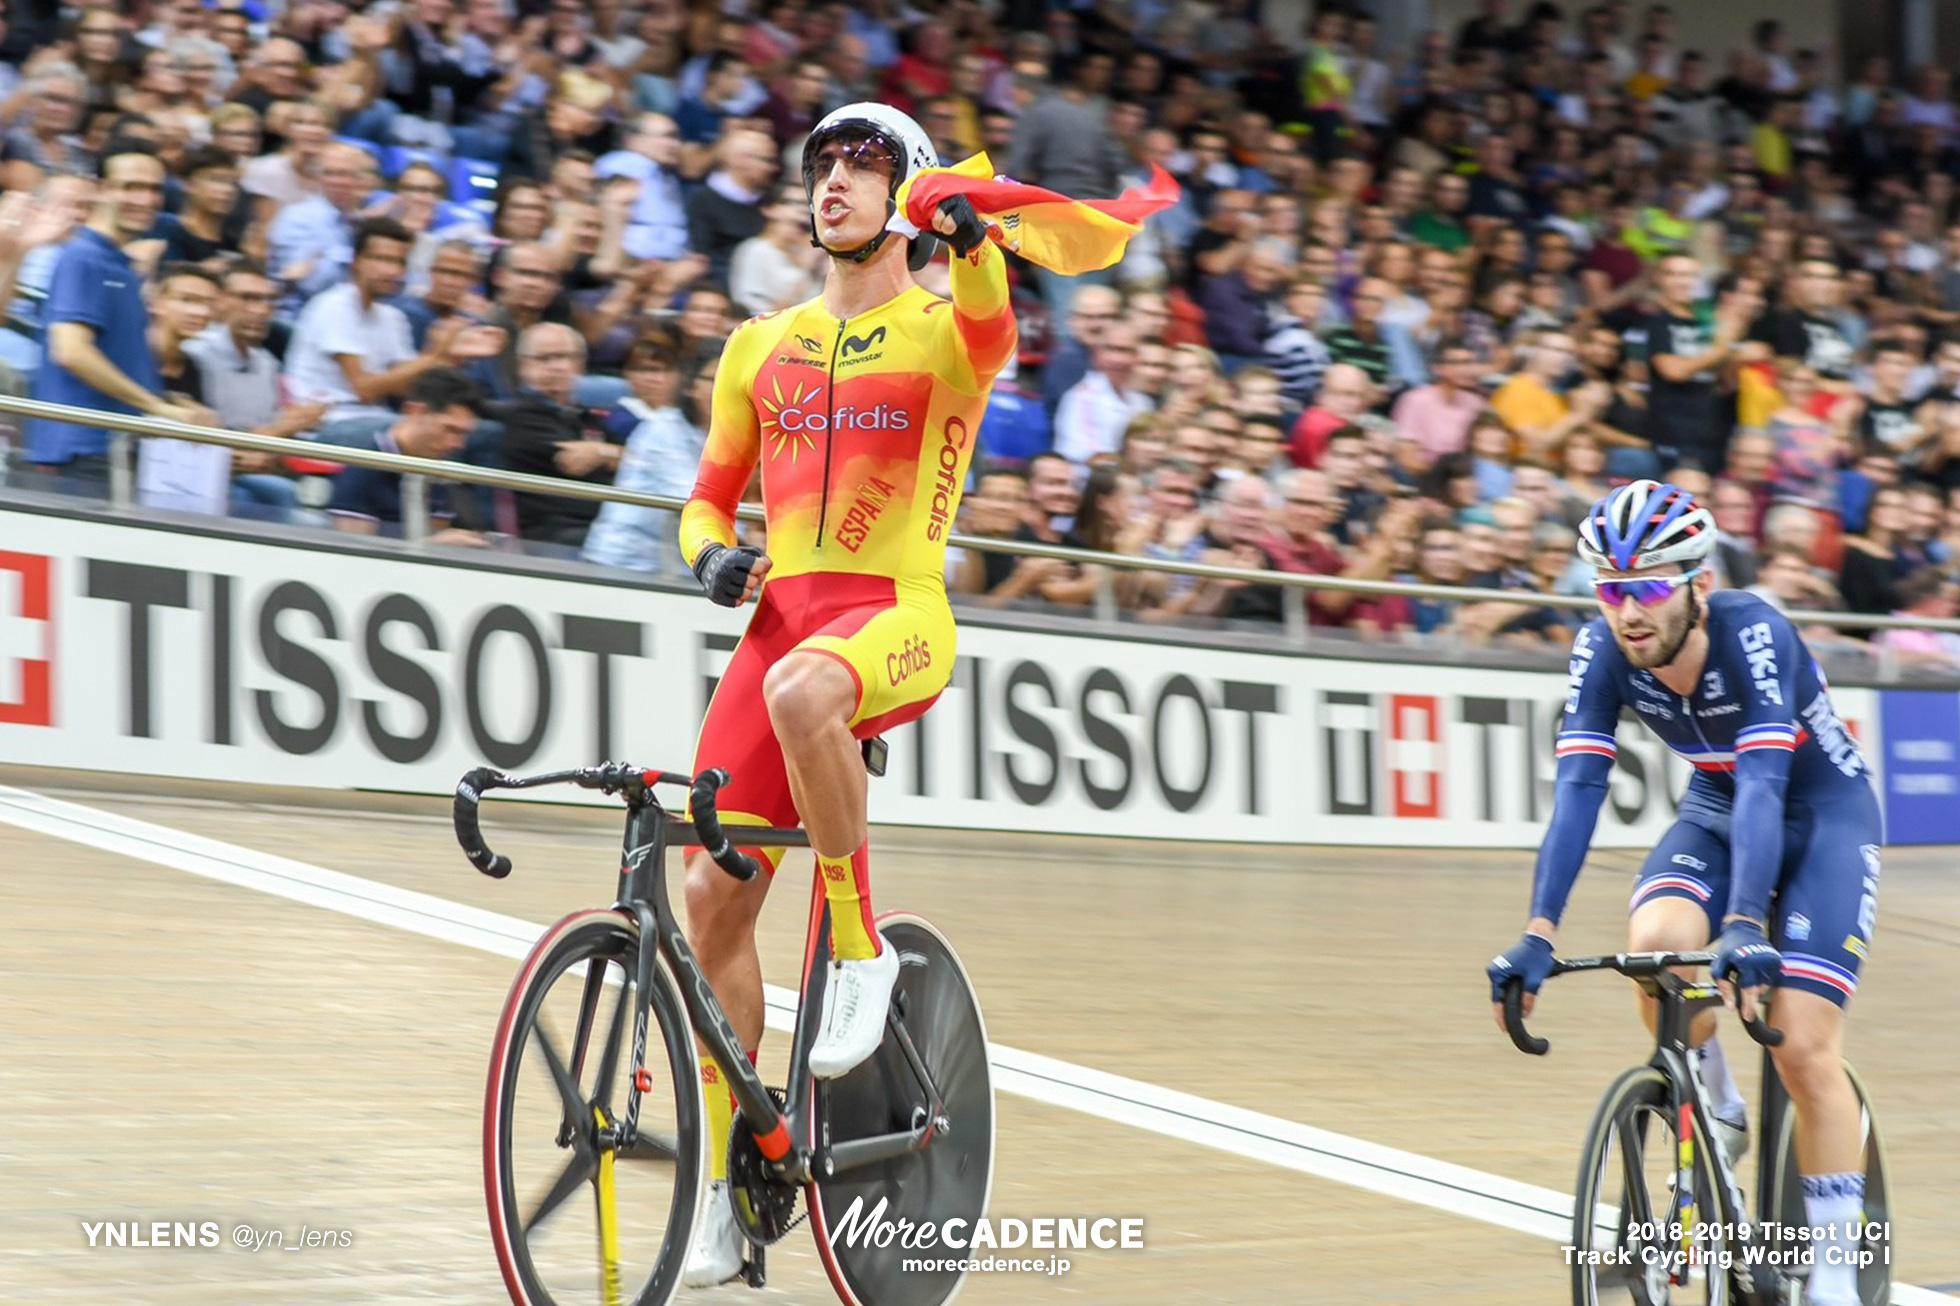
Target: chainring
<point x="765" y="1207"/>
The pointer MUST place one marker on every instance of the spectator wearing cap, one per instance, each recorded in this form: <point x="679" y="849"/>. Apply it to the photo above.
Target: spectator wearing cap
<point x="1091" y="417"/>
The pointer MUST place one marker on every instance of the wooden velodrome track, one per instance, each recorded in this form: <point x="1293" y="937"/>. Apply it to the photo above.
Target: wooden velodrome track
<point x="181" y="1048"/>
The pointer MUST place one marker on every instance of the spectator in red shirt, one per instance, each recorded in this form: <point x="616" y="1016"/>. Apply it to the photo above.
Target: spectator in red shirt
<point x="1305" y="543"/>
<point x="1345" y="394"/>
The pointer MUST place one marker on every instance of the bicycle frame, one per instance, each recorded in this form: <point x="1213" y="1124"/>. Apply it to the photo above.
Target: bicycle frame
<point x="651" y="831"/>
<point x="1678" y="1000"/>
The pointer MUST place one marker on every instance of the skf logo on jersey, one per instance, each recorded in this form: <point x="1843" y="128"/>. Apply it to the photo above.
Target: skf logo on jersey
<point x="26" y="641"/>
<point x="946" y="478"/>
<point x="1759" y="647"/>
<point x="858" y="344"/>
<point x="915" y="656"/>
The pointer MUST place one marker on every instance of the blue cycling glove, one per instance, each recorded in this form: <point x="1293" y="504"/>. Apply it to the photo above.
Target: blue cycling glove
<point x="1743" y="950"/>
<point x="1529" y="959"/>
<point x="724" y="572"/>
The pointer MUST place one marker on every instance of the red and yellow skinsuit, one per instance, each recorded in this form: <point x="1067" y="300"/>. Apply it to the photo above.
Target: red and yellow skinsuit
<point x="864" y="428"/>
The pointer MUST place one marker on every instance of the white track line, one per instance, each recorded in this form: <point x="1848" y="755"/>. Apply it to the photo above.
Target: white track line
<point x="1409" y="1176"/>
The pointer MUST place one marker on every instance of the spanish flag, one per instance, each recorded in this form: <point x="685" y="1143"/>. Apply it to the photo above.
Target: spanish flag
<point x="1049" y="230"/>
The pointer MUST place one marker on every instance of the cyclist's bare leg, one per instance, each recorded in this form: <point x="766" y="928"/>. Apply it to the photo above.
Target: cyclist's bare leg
<point x="1829" y="1159"/>
<point x="811" y="698"/>
<point x="721" y="916"/>
<point x="1811" y="1062"/>
<point x="1670" y="925"/>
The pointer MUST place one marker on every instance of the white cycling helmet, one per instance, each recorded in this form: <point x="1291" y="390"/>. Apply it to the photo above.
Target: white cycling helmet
<point x="897" y="132"/>
<point x="1646" y="524"/>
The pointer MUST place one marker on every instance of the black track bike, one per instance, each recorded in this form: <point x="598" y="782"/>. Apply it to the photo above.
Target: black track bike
<point x="594" y="1147"/>
<point x="1659" y="1214"/>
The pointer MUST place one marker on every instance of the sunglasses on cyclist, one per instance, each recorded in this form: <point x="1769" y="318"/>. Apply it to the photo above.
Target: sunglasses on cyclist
<point x="1647" y="591"/>
<point x="857" y="156"/>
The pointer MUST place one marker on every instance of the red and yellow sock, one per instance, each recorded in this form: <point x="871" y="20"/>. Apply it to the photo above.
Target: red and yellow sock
<point x="847" y="888"/>
<point x="719" y="1100"/>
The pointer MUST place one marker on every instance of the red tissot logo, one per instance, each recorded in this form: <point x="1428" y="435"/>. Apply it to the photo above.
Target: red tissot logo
<point x="26" y="641"/>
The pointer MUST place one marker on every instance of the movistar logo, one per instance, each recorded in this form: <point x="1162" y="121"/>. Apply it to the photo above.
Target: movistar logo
<point x="858" y="344"/>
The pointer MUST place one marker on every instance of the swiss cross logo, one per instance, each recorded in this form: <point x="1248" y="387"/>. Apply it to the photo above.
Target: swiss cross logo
<point x="1415" y="755"/>
<point x="26" y="641"/>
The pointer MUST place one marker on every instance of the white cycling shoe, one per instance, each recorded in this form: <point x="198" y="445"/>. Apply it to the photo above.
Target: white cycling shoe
<point x="720" y="1251"/>
<point x="854" y="1004"/>
<point x="1733" y="1137"/>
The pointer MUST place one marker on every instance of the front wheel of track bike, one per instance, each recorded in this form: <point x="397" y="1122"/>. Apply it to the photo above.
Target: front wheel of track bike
<point x="952" y="1177"/>
<point x="577" y="1219"/>
<point x="1625" y="1213"/>
<point x="1785" y="1209"/>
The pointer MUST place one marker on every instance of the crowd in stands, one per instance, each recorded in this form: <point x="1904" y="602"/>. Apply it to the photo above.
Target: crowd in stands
<point x="1412" y="312"/>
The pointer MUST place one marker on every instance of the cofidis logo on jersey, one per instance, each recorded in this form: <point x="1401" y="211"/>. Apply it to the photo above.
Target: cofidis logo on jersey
<point x="791" y="423"/>
<point x="946" y="478"/>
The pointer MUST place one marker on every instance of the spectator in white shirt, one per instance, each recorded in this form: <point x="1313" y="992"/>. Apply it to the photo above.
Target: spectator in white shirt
<point x="780" y="267"/>
<point x="1096" y="409"/>
<point x="353" y="351"/>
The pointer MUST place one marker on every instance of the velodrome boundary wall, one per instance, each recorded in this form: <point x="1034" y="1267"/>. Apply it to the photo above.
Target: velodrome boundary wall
<point x="155" y="648"/>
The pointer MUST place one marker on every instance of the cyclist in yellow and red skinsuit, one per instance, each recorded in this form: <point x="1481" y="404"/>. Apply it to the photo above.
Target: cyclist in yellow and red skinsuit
<point x="861" y="408"/>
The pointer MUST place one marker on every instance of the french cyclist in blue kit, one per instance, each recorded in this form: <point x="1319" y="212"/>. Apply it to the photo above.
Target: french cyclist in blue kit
<point x="1775" y="853"/>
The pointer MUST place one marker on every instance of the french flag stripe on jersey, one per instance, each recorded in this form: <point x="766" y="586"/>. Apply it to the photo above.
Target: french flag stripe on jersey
<point x="1575" y="742"/>
<point x="1819" y="971"/>
<point x="1766" y="736"/>
<point x="1686" y="883"/>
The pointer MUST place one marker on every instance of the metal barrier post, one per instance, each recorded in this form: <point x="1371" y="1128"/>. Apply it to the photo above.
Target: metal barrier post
<point x="122" y="473"/>
<point x="1293" y="612"/>
<point x="1106" y="595"/>
<point x="415" y="509"/>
